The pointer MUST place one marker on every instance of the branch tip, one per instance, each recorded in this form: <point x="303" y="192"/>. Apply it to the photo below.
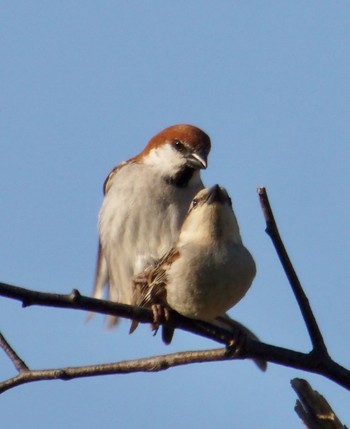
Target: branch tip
<point x="13" y="356"/>
<point x="312" y="408"/>
<point x="300" y="296"/>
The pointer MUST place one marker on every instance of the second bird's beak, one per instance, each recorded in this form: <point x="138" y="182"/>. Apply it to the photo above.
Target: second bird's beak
<point x="198" y="160"/>
<point x="216" y="195"/>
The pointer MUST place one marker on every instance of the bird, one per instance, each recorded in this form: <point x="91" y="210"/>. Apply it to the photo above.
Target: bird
<point x="145" y="202"/>
<point x="207" y="271"/>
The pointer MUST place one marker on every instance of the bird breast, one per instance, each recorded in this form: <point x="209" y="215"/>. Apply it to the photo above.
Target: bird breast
<point x="204" y="284"/>
<point x="139" y="221"/>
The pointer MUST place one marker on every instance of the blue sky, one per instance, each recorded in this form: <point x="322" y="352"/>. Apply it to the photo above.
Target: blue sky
<point x="84" y="85"/>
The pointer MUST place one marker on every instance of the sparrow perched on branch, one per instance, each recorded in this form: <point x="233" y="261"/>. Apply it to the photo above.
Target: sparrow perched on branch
<point x="145" y="202"/>
<point x="207" y="271"/>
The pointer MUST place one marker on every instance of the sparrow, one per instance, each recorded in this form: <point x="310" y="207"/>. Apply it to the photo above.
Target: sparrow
<point x="207" y="271"/>
<point x="145" y="202"/>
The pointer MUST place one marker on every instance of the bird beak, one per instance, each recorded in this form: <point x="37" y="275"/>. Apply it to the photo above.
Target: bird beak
<point x="216" y="195"/>
<point x="198" y="160"/>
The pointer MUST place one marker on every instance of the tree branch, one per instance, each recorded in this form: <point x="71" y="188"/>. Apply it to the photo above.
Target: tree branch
<point x="313" y="409"/>
<point x="15" y="359"/>
<point x="319" y="347"/>
<point x="76" y="301"/>
<point x="317" y="361"/>
<point x="252" y="349"/>
<point x="151" y="364"/>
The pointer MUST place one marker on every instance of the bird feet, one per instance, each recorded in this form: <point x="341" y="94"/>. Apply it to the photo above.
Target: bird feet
<point x="238" y="342"/>
<point x="162" y="315"/>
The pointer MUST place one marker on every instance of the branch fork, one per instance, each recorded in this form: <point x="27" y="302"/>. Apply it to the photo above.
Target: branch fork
<point x="316" y="361"/>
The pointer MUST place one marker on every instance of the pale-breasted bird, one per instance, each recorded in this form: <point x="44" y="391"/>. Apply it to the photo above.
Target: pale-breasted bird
<point x="146" y="200"/>
<point x="207" y="271"/>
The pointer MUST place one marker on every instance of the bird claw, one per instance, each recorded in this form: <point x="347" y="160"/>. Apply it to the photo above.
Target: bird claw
<point x="238" y="342"/>
<point x="161" y="314"/>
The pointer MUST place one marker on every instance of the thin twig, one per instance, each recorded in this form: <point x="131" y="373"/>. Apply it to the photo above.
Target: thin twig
<point x="319" y="347"/>
<point x="151" y="364"/>
<point x="15" y="359"/>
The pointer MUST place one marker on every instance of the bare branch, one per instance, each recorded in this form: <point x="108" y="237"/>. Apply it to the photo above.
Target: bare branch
<point x="252" y="349"/>
<point x="313" y="409"/>
<point x="317" y="361"/>
<point x="319" y="346"/>
<point x="76" y="301"/>
<point x="152" y="364"/>
<point x="15" y="359"/>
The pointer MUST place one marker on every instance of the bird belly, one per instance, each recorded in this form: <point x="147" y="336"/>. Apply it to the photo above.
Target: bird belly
<point x="211" y="290"/>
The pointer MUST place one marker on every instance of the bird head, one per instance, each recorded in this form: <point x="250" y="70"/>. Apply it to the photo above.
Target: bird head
<point x="211" y="217"/>
<point x="177" y="150"/>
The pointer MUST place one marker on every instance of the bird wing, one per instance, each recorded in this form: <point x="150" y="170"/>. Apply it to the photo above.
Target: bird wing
<point x="109" y="179"/>
<point x="150" y="285"/>
<point x="102" y="276"/>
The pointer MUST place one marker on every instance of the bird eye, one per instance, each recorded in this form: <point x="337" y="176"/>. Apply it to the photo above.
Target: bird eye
<point x="194" y="202"/>
<point x="179" y="146"/>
